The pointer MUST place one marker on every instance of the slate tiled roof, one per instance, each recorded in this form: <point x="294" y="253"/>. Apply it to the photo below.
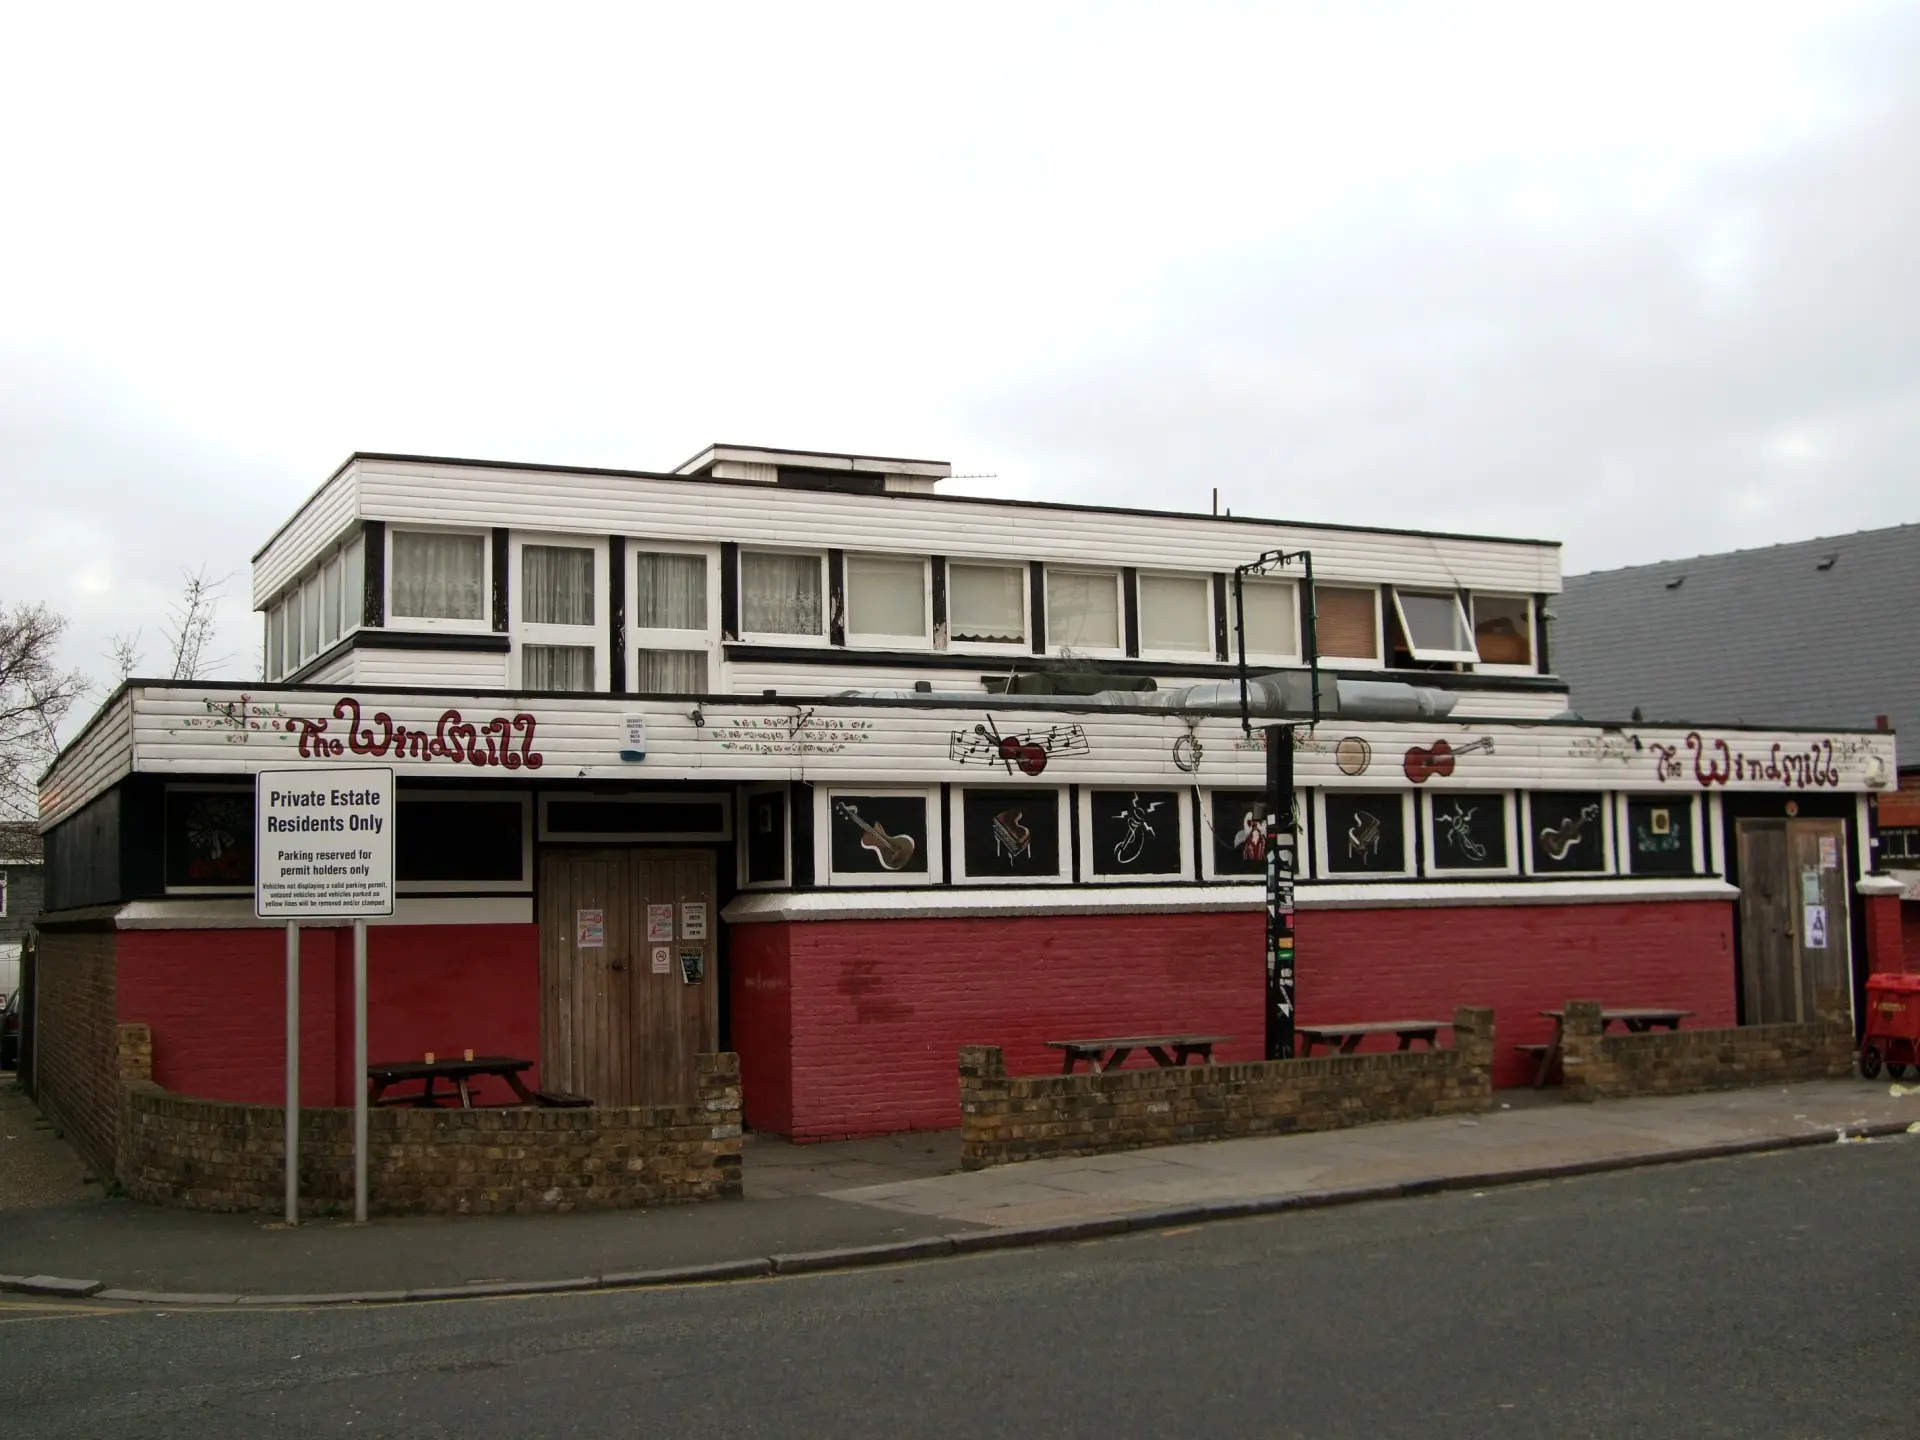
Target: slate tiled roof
<point x="1819" y="632"/>
<point x="19" y="843"/>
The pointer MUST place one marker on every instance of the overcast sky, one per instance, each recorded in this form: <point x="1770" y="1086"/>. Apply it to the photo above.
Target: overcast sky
<point x="1638" y="278"/>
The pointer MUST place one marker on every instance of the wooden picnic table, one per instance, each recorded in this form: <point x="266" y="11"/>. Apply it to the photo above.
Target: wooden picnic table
<point x="461" y="1073"/>
<point x="1348" y="1037"/>
<point x="1169" y="1052"/>
<point x="1637" y="1018"/>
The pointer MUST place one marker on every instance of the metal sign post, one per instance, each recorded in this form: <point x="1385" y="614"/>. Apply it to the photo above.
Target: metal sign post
<point x="1280" y="873"/>
<point x="323" y="850"/>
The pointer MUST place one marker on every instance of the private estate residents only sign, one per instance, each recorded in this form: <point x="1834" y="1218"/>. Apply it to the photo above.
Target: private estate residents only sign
<point x="324" y="843"/>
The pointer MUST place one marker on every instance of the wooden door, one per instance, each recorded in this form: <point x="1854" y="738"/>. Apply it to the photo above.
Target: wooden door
<point x="1817" y="855"/>
<point x="1793" y="916"/>
<point x="1769" y="987"/>
<point x="628" y="988"/>
<point x="586" y="974"/>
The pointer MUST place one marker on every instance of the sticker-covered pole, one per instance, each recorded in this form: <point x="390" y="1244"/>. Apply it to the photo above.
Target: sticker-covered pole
<point x="293" y="1073"/>
<point x="1280" y="873"/>
<point x="360" y="1071"/>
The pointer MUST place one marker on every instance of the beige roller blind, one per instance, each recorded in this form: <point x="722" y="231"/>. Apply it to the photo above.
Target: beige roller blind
<point x="1344" y="622"/>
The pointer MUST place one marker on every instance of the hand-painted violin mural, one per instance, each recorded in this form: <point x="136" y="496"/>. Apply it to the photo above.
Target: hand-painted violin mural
<point x="984" y="744"/>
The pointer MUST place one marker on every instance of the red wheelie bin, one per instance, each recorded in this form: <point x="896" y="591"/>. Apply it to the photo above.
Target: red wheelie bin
<point x="1893" y="1025"/>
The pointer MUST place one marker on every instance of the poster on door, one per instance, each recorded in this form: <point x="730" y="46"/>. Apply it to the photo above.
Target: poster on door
<point x="1829" y="852"/>
<point x="659" y="924"/>
<point x="693" y="920"/>
<point x="1815" y="928"/>
<point x="662" y="960"/>
<point x="590" y="929"/>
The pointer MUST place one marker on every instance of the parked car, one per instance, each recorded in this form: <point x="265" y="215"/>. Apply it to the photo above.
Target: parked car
<point x="10" y="1033"/>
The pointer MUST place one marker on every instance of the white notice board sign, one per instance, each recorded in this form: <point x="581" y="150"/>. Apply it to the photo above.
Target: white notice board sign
<point x="323" y="843"/>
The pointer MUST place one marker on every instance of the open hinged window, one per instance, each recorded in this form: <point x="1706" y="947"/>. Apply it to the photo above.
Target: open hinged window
<point x="1434" y="625"/>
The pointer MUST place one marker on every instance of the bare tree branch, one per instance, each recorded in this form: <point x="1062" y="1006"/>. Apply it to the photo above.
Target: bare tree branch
<point x="124" y="655"/>
<point x="192" y="618"/>
<point x="35" y="695"/>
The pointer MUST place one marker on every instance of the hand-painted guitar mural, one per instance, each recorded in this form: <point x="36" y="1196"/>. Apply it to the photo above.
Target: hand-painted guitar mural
<point x="1557" y="840"/>
<point x="892" y="851"/>
<point x="1425" y="761"/>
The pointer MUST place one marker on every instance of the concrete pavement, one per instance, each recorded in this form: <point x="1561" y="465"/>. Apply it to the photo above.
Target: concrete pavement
<point x="825" y="1206"/>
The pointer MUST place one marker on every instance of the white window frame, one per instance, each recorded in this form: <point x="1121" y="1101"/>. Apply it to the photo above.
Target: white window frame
<point x="769" y="637"/>
<point x="522" y="886"/>
<point x="334" y="569"/>
<point x="1022" y="646"/>
<point x="1323" y="841"/>
<point x="1468" y="656"/>
<point x="1623" y="831"/>
<point x="1304" y="813"/>
<point x="1610" y="862"/>
<point x="1296" y="657"/>
<point x="1054" y="646"/>
<point x="482" y="626"/>
<point x="825" y="874"/>
<point x="863" y="641"/>
<point x="1351" y="662"/>
<point x="1430" y="798"/>
<point x="653" y="637"/>
<point x="273" y="644"/>
<point x="1206" y="652"/>
<point x="521" y="633"/>
<point x="744" y="809"/>
<point x="1533" y="634"/>
<point x="957" y="838"/>
<point x="1083" y="819"/>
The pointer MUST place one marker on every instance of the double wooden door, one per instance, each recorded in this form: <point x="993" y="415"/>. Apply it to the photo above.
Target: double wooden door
<point x="1793" y="916"/>
<point x="628" y="993"/>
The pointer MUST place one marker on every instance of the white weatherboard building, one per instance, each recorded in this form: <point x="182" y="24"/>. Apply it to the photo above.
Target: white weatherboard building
<point x="791" y="754"/>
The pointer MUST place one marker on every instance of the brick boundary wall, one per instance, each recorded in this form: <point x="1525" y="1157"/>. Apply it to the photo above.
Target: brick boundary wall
<point x="1010" y="1118"/>
<point x="74" y="980"/>
<point x="218" y="1155"/>
<point x="1598" y="1066"/>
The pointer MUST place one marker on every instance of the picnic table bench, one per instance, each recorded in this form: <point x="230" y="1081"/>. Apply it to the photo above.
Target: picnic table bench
<point x="1638" y="1019"/>
<point x="461" y="1073"/>
<point x="1348" y="1037"/>
<point x="1169" y="1052"/>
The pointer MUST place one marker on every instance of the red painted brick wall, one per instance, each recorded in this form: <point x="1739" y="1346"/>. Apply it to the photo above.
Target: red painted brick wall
<point x="761" y="1023"/>
<point x="215" y="1001"/>
<point x="1886" y="947"/>
<point x="878" y="1009"/>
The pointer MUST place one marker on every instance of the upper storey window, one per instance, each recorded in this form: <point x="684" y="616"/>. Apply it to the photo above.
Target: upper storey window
<point x="439" y="576"/>
<point x="1270" y="617"/>
<point x="1083" y="610"/>
<point x="557" y="585"/>
<point x="886" y="600"/>
<point x="1176" y="615"/>
<point x="1503" y="630"/>
<point x="1435" y="625"/>
<point x="317" y="610"/>
<point x="558" y="619"/>
<point x="670" y="619"/>
<point x="986" y="604"/>
<point x="1346" y="622"/>
<point x="781" y="593"/>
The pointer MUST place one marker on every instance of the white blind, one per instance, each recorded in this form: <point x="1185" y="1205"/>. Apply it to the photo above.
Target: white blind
<point x="353" y="582"/>
<point x="556" y="667"/>
<point x="556" y="585"/>
<point x="276" y="626"/>
<point x="1175" y="613"/>
<point x="779" y="594"/>
<point x="1083" y="609"/>
<point x="439" y="577"/>
<point x="886" y="597"/>
<point x="671" y="672"/>
<point x="310" y="618"/>
<point x="987" y="603"/>
<point x="330" y="604"/>
<point x="1268" y="610"/>
<point x="670" y="591"/>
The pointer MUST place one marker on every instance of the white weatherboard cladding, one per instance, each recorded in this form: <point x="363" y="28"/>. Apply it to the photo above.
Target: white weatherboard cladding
<point x="693" y="510"/>
<point x="343" y="669"/>
<point x="753" y="676"/>
<point x="449" y="668"/>
<point x="182" y="729"/>
<point x="92" y="764"/>
<point x="315" y="526"/>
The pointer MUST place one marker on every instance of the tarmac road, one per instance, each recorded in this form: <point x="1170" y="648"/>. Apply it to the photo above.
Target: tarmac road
<point x="1766" y="1296"/>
